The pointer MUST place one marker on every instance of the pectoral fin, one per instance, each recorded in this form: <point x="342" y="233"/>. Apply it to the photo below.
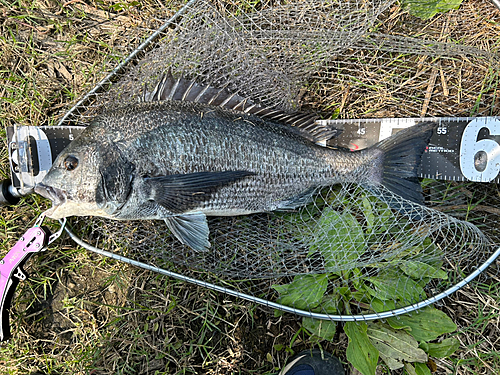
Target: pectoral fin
<point x="180" y="193"/>
<point x="191" y="229"/>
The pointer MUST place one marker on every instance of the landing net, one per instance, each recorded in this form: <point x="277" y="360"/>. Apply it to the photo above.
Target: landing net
<point x="348" y="254"/>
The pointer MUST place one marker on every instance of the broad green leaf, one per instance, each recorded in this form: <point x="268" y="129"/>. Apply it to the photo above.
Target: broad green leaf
<point x="426" y="9"/>
<point x="426" y="324"/>
<point x="442" y="349"/>
<point x="410" y="369"/>
<point x="361" y="295"/>
<point x="427" y="252"/>
<point x="392" y="363"/>
<point x="422" y="369"/>
<point x="394" y="286"/>
<point x="343" y="291"/>
<point x="418" y="270"/>
<point x="339" y="238"/>
<point x="379" y="216"/>
<point x="395" y="347"/>
<point x="329" y="304"/>
<point x="381" y="306"/>
<point x="360" y="351"/>
<point x="366" y="301"/>
<point x="292" y="221"/>
<point x="324" y="329"/>
<point x="417" y="369"/>
<point x="278" y="313"/>
<point x="304" y="292"/>
<point x="356" y="279"/>
<point x="424" y="281"/>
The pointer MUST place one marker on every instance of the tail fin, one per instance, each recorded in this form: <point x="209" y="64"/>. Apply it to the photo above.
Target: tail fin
<point x="401" y="158"/>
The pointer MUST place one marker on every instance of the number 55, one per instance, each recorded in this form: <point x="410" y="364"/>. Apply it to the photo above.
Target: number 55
<point x="442" y="130"/>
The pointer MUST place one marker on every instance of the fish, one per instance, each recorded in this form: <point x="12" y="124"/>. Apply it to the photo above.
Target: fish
<point x="186" y="151"/>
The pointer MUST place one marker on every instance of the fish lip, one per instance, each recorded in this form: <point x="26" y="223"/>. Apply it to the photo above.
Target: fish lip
<point x="57" y="196"/>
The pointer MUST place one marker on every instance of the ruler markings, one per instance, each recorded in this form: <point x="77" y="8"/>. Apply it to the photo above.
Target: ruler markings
<point x="461" y="148"/>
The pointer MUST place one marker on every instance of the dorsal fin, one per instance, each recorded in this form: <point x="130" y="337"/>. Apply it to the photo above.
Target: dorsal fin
<point x="170" y="88"/>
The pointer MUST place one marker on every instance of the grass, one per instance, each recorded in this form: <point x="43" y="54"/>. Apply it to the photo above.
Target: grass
<point x="479" y="327"/>
<point x="80" y="313"/>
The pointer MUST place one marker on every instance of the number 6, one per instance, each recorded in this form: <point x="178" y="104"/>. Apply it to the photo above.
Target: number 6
<point x="472" y="150"/>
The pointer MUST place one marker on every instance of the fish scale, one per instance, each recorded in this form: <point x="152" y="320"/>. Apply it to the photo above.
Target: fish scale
<point x="208" y="149"/>
<point x="230" y="143"/>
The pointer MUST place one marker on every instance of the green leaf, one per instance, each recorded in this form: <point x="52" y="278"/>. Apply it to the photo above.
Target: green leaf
<point x="382" y="306"/>
<point x="366" y="301"/>
<point x="324" y="329"/>
<point x="422" y="369"/>
<point x="392" y="286"/>
<point x="418" y="270"/>
<point x="360" y="351"/>
<point x="442" y="349"/>
<point x="357" y="278"/>
<point x="368" y="212"/>
<point x="339" y="238"/>
<point x="417" y="369"/>
<point x="410" y="369"/>
<point x="384" y="218"/>
<point x="426" y="9"/>
<point x="329" y="303"/>
<point x="426" y="324"/>
<point x="335" y="114"/>
<point x="304" y="292"/>
<point x="395" y="347"/>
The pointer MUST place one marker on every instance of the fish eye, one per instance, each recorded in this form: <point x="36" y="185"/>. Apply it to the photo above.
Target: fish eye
<point x="70" y="163"/>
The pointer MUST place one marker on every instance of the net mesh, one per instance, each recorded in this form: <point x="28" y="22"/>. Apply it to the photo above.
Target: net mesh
<point x="347" y="252"/>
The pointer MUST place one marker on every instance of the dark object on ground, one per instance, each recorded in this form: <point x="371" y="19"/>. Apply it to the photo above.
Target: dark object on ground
<point x="313" y="362"/>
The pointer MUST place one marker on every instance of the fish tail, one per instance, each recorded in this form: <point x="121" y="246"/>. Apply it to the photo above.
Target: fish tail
<point x="398" y="161"/>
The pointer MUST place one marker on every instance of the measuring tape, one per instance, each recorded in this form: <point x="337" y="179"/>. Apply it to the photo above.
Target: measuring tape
<point x="461" y="148"/>
<point x="33" y="149"/>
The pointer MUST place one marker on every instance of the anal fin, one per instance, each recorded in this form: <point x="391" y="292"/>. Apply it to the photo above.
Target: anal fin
<point x="299" y="200"/>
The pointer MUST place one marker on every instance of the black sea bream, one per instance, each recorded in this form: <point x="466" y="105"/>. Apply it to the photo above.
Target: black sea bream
<point x="180" y="161"/>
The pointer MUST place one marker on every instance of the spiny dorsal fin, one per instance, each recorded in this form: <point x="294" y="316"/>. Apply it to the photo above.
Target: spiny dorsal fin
<point x="170" y="88"/>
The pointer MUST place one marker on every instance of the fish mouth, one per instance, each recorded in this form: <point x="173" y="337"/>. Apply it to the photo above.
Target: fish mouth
<point x="57" y="196"/>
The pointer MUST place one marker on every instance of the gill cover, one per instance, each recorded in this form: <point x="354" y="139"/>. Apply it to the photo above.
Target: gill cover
<point x="115" y="183"/>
